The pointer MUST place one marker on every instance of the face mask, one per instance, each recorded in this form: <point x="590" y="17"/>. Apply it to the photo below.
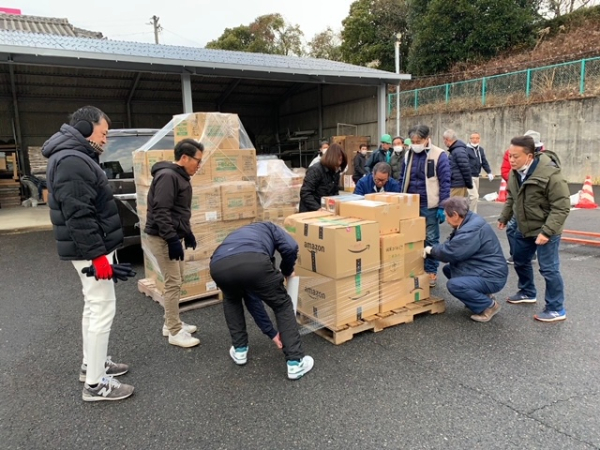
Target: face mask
<point x="398" y="148"/>
<point x="474" y="145"/>
<point x="363" y="152"/>
<point x="524" y="168"/>
<point x="418" y="148"/>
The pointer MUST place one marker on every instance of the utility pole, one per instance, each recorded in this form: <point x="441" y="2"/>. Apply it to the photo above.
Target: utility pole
<point x="398" y="56"/>
<point x="157" y="28"/>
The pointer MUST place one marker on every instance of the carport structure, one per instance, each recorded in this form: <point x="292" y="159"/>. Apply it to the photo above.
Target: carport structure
<point x="44" y="77"/>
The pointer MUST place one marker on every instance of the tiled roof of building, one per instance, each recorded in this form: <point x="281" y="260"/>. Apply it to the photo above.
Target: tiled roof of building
<point x="44" y="25"/>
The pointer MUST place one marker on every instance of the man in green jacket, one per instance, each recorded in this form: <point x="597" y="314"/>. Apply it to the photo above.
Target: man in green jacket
<point x="538" y="196"/>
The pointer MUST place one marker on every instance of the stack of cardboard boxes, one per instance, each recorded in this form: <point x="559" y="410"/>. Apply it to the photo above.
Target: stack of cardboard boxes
<point x="224" y="191"/>
<point x="367" y="259"/>
<point x="278" y="190"/>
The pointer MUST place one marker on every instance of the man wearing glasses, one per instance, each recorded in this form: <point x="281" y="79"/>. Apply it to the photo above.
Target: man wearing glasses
<point x="379" y="181"/>
<point x="168" y="223"/>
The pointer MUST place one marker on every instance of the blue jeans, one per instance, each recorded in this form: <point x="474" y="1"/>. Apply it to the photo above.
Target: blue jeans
<point x="525" y="248"/>
<point x="474" y="292"/>
<point x="511" y="228"/>
<point x="433" y="235"/>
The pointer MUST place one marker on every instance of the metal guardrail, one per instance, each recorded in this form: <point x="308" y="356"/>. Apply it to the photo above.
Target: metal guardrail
<point x="554" y="82"/>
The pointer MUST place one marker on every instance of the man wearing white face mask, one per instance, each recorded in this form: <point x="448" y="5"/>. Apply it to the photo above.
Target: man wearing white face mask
<point x="359" y="163"/>
<point x="538" y="196"/>
<point x="477" y="161"/>
<point x="426" y="171"/>
<point x="397" y="156"/>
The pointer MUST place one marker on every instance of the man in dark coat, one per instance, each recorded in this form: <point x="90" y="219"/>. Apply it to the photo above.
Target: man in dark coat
<point x="460" y="169"/>
<point x="359" y="163"/>
<point x="168" y="223"/>
<point x="382" y="154"/>
<point x="477" y="161"/>
<point x="476" y="266"/>
<point x="243" y="268"/>
<point x="87" y="229"/>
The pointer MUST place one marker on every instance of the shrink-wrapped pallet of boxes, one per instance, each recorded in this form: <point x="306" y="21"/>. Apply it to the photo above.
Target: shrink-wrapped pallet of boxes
<point x="278" y="190"/>
<point x="223" y="194"/>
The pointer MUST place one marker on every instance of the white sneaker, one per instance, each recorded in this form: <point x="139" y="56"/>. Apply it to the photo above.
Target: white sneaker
<point x="297" y="369"/>
<point x="183" y="339"/>
<point x="184" y="326"/>
<point x="239" y="355"/>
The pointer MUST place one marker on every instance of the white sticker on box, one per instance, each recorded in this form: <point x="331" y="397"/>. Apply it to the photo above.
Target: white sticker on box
<point x="211" y="216"/>
<point x="211" y="286"/>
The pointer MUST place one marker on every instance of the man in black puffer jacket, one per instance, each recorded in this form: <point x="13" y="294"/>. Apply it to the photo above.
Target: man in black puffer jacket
<point x="460" y="169"/>
<point x="168" y="222"/>
<point x="88" y="231"/>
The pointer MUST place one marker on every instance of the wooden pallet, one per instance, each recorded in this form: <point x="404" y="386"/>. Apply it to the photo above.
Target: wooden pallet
<point x="148" y="287"/>
<point x="377" y="322"/>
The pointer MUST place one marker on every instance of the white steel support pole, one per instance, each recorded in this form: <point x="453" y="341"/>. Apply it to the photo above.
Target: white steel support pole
<point x="186" y="91"/>
<point x="381" y="109"/>
<point x="397" y="46"/>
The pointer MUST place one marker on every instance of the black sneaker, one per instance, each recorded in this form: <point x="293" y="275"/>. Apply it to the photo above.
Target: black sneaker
<point x="112" y="368"/>
<point x="107" y="389"/>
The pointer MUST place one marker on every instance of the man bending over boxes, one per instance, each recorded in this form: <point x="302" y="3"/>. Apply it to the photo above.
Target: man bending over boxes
<point x="476" y="266"/>
<point x="379" y="181"/>
<point x="243" y="267"/>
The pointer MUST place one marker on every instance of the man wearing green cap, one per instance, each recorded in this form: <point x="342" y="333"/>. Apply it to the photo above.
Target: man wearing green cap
<point x="382" y="154"/>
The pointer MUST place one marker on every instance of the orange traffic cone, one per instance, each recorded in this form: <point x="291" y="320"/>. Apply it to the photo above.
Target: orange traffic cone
<point x="586" y="197"/>
<point x="502" y="194"/>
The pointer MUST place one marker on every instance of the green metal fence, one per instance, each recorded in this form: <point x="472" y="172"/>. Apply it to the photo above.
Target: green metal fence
<point x="556" y="82"/>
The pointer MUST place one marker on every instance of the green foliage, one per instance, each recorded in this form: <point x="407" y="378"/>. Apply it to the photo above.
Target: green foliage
<point x="370" y="32"/>
<point x="267" y="34"/>
<point x="467" y="30"/>
<point x="325" y="45"/>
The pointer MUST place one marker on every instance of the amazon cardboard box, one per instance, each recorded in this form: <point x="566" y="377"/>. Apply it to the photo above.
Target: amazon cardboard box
<point x="214" y="130"/>
<point x="238" y="200"/>
<point x="332" y="204"/>
<point x="338" y="247"/>
<point x="392" y="257"/>
<point x="335" y="303"/>
<point x="291" y="223"/>
<point x="398" y="294"/>
<point x="414" y="264"/>
<point x="386" y="214"/>
<point x="414" y="230"/>
<point x="409" y="203"/>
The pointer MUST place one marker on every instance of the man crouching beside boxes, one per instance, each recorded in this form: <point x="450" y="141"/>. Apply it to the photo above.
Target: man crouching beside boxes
<point x="476" y="266"/>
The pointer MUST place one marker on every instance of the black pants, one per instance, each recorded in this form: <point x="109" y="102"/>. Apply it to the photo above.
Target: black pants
<point x="254" y="272"/>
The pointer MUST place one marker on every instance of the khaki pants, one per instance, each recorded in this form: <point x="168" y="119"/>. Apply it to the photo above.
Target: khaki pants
<point x="172" y="272"/>
<point x="474" y="195"/>
<point x="459" y="192"/>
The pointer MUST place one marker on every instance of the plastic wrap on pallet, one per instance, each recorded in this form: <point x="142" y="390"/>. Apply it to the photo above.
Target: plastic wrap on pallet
<point x="353" y="268"/>
<point x="224" y="194"/>
<point x="277" y="185"/>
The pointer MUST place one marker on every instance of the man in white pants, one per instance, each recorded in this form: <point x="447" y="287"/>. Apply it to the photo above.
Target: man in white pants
<point x="87" y="229"/>
<point x="477" y="161"/>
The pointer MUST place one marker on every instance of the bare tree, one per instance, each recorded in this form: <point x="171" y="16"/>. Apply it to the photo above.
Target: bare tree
<point x="557" y="8"/>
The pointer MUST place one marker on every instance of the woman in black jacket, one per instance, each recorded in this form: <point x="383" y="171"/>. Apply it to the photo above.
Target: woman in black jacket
<point x="323" y="179"/>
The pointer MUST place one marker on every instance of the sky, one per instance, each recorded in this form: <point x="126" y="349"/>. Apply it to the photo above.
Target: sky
<point x="190" y="23"/>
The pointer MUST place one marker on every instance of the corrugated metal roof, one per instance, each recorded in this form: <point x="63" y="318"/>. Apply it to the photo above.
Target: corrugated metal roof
<point x="44" y="25"/>
<point x="174" y="58"/>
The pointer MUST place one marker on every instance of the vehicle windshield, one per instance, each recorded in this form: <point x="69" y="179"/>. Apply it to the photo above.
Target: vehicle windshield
<point x="117" y="159"/>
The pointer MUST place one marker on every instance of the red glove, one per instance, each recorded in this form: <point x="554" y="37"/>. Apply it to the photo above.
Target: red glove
<point x="103" y="268"/>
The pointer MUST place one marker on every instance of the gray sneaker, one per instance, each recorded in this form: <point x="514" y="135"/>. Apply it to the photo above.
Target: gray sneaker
<point x="107" y="389"/>
<point x="112" y="368"/>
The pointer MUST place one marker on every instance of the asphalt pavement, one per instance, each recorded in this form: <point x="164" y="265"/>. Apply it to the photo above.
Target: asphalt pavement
<point x="441" y="382"/>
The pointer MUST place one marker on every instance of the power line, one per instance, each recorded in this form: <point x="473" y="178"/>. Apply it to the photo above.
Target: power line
<point x="184" y="38"/>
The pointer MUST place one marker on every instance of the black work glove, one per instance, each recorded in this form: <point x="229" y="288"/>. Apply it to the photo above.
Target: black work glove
<point x="190" y="241"/>
<point x="121" y="272"/>
<point x="175" y="250"/>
